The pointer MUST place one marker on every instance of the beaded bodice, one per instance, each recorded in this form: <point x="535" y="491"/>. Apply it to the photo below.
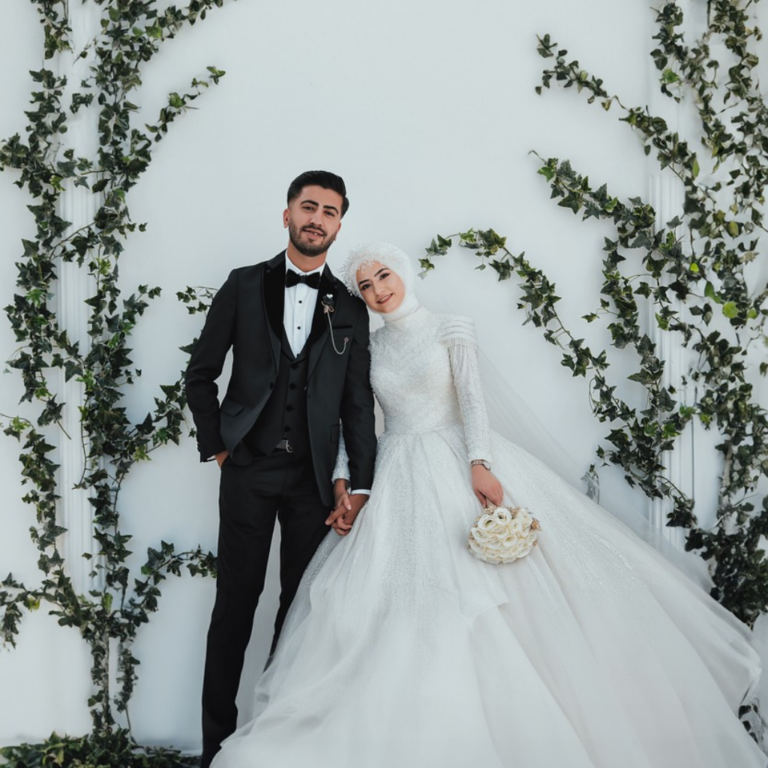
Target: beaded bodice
<point x="424" y="374"/>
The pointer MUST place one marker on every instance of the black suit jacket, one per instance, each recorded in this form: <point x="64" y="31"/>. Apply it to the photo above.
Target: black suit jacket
<point x="246" y="315"/>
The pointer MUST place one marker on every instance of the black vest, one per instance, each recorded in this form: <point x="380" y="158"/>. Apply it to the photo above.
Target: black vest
<point x="285" y="413"/>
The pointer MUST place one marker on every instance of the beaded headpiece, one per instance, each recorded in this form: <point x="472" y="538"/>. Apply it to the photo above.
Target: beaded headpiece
<point x="387" y="254"/>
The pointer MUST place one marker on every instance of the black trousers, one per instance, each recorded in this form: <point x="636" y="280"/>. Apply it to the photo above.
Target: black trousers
<point x="279" y="486"/>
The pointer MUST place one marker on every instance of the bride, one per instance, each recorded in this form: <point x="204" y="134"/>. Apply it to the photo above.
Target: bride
<point x="403" y="650"/>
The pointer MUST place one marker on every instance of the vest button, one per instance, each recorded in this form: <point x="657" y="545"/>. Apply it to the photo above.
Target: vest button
<point x="287" y="428"/>
<point x="288" y="407"/>
<point x="291" y="386"/>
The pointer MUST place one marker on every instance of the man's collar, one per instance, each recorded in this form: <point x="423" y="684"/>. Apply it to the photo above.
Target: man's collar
<point x="290" y="265"/>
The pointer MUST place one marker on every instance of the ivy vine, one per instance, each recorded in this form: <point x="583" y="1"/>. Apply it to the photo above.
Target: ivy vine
<point x="120" y="602"/>
<point x="692" y="271"/>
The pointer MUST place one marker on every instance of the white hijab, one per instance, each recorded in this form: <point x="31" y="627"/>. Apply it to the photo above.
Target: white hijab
<point x="390" y="256"/>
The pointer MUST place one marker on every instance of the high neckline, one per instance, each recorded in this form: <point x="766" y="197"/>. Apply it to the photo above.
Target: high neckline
<point x="407" y="307"/>
<point x="411" y="319"/>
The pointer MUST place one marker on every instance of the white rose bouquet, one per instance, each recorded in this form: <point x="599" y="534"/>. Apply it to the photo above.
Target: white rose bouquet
<point x="502" y="535"/>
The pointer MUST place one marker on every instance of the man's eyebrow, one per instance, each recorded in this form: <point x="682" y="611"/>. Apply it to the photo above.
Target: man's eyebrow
<point x="325" y="207"/>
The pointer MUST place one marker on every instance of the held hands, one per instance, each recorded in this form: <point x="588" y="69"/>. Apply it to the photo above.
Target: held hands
<point x="340" y="494"/>
<point x="486" y="486"/>
<point x="347" y="508"/>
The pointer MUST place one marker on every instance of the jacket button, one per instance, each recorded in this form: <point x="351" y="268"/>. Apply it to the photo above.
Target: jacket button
<point x="271" y="384"/>
<point x="291" y="386"/>
<point x="287" y="428"/>
<point x="288" y="407"/>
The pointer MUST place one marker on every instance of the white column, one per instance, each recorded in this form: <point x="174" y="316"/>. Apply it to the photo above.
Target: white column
<point x="666" y="195"/>
<point x="77" y="205"/>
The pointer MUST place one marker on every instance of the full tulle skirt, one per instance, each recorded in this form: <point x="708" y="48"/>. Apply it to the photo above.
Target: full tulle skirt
<point x="402" y="650"/>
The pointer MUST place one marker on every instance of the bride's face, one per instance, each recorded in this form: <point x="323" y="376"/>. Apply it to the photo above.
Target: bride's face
<point x="381" y="288"/>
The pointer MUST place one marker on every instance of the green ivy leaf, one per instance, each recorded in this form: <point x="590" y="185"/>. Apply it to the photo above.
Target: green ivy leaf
<point x="545" y="171"/>
<point x="709" y="292"/>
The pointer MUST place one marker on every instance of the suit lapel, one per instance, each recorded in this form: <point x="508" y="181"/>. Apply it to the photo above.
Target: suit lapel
<point x="319" y="333"/>
<point x="273" y="301"/>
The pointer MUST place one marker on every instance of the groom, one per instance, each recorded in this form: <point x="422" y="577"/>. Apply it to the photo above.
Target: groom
<point x="300" y="364"/>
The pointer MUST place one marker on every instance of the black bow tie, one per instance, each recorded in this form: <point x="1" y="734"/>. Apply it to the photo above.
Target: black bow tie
<point x="294" y="278"/>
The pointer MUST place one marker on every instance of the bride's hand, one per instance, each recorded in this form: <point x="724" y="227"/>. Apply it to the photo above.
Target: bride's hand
<point x="486" y="486"/>
<point x="342" y="518"/>
<point x="341" y="494"/>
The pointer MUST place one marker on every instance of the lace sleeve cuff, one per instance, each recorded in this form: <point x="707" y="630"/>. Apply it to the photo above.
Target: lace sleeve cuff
<point x="341" y="470"/>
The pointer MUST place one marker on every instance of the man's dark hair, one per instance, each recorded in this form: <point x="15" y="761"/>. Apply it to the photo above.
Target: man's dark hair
<point x="324" y="179"/>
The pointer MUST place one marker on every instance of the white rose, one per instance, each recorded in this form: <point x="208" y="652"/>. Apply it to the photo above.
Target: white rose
<point x="480" y="535"/>
<point x="478" y="549"/>
<point x="515" y="528"/>
<point x="511" y="542"/>
<point x="486" y="522"/>
<point x="520" y="550"/>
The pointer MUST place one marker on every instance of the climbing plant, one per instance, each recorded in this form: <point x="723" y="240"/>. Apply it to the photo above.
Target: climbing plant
<point x="109" y="615"/>
<point x="692" y="271"/>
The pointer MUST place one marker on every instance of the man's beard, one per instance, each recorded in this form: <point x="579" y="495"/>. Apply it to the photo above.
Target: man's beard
<point x="308" y="249"/>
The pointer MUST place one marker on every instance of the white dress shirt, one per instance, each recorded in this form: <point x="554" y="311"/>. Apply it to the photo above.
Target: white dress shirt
<point x="299" y="309"/>
<point x="298" y="313"/>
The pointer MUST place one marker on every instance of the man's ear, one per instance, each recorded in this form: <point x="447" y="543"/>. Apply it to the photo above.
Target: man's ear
<point x="286" y="214"/>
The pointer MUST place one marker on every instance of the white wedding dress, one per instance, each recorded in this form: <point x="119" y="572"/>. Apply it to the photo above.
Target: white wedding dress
<point x="404" y="651"/>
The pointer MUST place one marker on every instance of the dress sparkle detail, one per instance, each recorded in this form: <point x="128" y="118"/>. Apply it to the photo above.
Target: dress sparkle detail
<point x="402" y="650"/>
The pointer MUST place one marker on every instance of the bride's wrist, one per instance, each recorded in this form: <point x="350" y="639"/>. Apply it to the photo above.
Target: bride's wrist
<point x="480" y="464"/>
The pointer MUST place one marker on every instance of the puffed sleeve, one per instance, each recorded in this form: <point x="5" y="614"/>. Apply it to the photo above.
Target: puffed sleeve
<point x="458" y="335"/>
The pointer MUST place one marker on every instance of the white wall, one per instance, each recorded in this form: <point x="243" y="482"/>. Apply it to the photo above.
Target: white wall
<point x="428" y="111"/>
<point x="44" y="682"/>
